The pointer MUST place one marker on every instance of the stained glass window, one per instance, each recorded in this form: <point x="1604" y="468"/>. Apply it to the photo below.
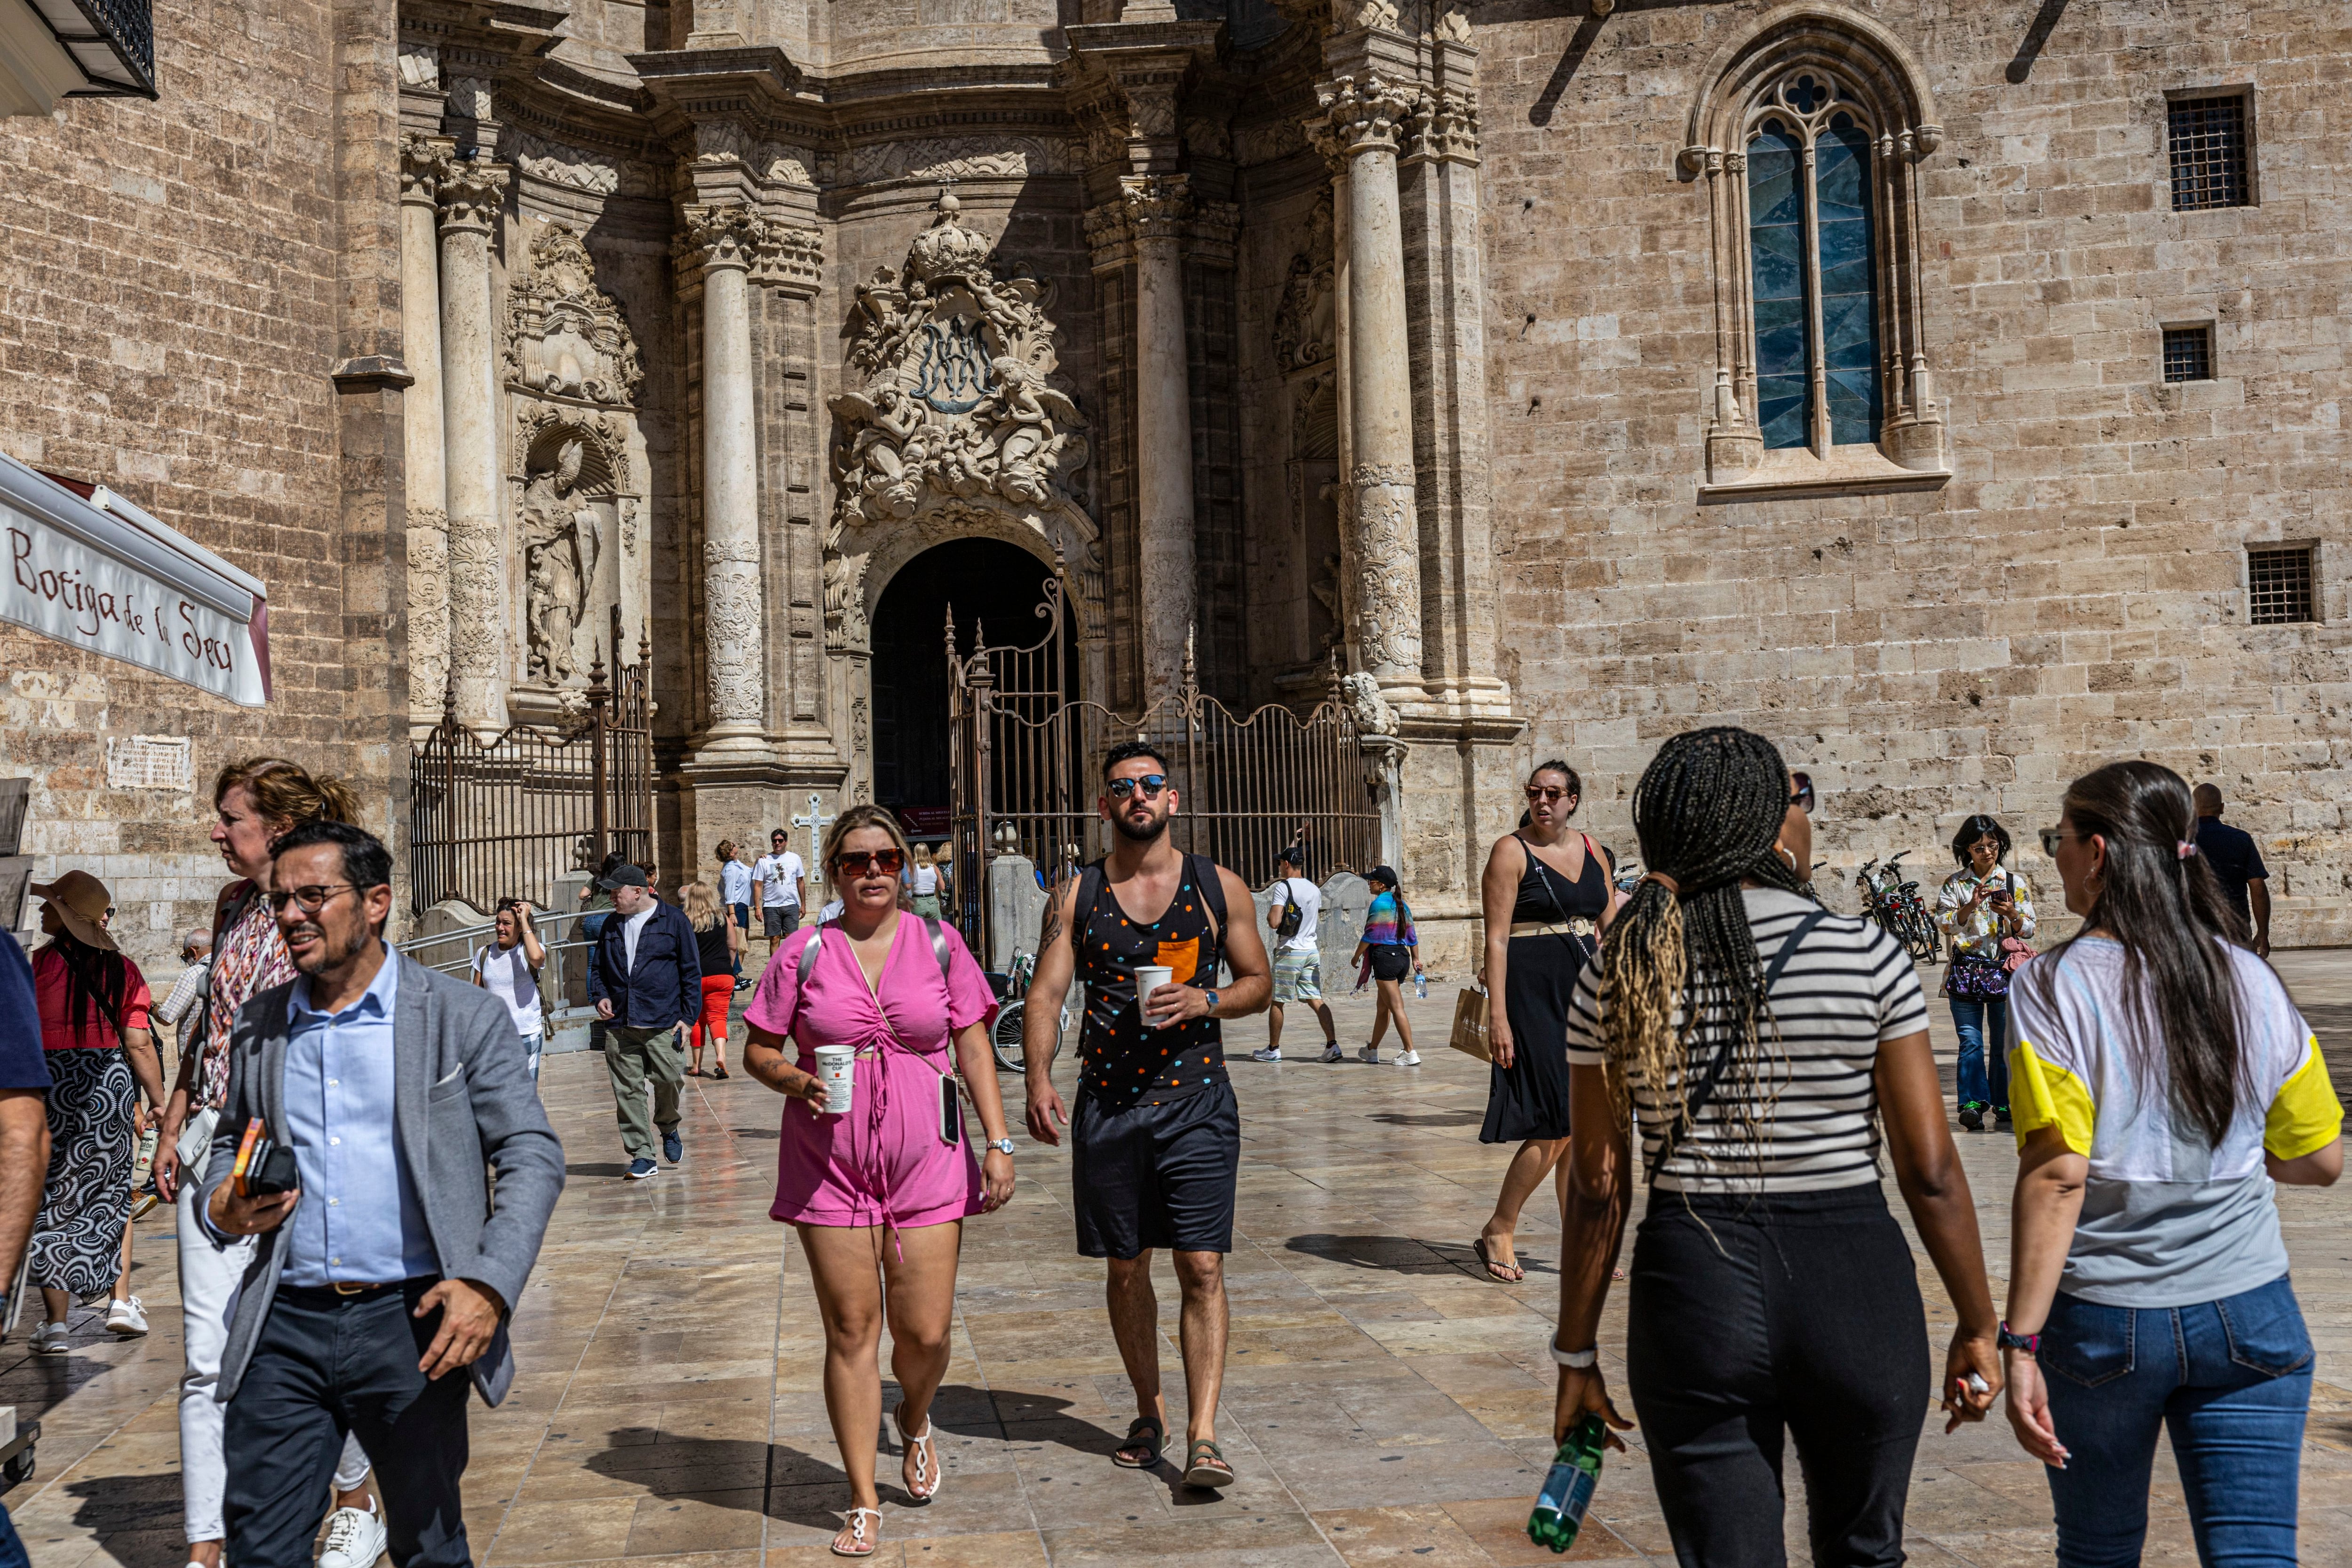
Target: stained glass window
<point x="1813" y="275"/>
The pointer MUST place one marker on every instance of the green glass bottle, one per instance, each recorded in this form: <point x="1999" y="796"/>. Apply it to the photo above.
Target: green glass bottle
<point x="1567" y="1492"/>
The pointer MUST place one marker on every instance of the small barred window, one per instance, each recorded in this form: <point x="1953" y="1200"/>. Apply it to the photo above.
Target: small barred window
<point x="2278" y="584"/>
<point x="2208" y="152"/>
<point x="2188" y="353"/>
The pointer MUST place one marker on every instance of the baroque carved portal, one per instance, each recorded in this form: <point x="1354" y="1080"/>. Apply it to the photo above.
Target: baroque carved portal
<point x="564" y="335"/>
<point x="960" y="413"/>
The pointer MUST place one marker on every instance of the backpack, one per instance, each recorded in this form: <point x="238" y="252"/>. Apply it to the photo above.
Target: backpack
<point x="1292" y="915"/>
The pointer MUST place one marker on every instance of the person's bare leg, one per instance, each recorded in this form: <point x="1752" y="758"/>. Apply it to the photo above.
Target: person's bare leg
<point x="842" y="1262"/>
<point x="1380" y="1012"/>
<point x="122" y="1280"/>
<point x="1536" y="1158"/>
<point x="919" y="1287"/>
<point x="1274" y="1025"/>
<point x="207" y="1553"/>
<point x="1396" y="1006"/>
<point x="1204" y="1326"/>
<point x="1330" y="1025"/>
<point x="1135" y="1325"/>
<point x="57" y="1303"/>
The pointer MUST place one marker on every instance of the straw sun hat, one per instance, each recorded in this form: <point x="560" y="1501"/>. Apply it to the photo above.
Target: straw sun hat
<point x="81" y="902"/>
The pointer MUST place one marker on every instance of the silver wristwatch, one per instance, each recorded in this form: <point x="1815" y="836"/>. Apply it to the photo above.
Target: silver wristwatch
<point x="1003" y="1146"/>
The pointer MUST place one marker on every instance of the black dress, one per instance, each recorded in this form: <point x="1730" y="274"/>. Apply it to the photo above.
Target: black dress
<point x="1530" y="1097"/>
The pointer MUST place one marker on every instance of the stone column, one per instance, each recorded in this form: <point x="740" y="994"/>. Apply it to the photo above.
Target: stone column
<point x="470" y="194"/>
<point x="424" y="162"/>
<point x="721" y="242"/>
<point x="1365" y="116"/>
<point x="1157" y="206"/>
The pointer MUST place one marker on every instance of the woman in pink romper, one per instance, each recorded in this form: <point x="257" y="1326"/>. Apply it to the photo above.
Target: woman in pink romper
<point x="878" y="1196"/>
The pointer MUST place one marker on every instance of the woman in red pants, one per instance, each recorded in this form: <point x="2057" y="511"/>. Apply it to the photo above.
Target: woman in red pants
<point x="718" y="939"/>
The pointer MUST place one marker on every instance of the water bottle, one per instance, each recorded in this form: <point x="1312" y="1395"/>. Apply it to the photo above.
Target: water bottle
<point x="1567" y="1492"/>
<point x="1420" y="985"/>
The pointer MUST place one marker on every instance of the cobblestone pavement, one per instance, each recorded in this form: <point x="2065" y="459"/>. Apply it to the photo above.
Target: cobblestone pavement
<point x="1385" y="1405"/>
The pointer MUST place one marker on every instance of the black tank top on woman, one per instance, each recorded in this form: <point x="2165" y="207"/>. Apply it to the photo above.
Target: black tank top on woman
<point x="710" y="947"/>
<point x="1121" y="1060"/>
<point x="1546" y="896"/>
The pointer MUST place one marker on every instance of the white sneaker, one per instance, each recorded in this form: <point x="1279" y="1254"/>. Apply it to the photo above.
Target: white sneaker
<point x="49" y="1339"/>
<point x="1410" y="1059"/>
<point x="1370" y="1054"/>
<point x="1332" y="1053"/>
<point x="1266" y="1055"/>
<point x="355" y="1538"/>
<point x="127" y="1317"/>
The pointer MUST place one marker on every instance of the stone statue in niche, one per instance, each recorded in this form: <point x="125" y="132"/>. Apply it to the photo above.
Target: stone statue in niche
<point x="560" y="548"/>
<point x="960" y="397"/>
<point x="1303" y="321"/>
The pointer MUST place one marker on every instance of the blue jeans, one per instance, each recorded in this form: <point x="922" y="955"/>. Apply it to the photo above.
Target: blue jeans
<point x="531" y="1046"/>
<point x="1982" y="1023"/>
<point x="12" y="1547"/>
<point x="2230" y="1379"/>
<point x="743" y="924"/>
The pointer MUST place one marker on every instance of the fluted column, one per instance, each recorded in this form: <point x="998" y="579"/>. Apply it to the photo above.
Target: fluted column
<point x="1157" y="206"/>
<point x="423" y="160"/>
<point x="1364" y="116"/>
<point x="470" y="194"/>
<point x="721" y="242"/>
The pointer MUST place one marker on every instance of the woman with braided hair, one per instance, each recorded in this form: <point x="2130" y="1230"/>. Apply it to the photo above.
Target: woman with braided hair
<point x="1759" y="1042"/>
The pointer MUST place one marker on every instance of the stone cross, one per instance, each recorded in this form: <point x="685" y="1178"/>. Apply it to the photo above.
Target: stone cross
<point x="816" y="821"/>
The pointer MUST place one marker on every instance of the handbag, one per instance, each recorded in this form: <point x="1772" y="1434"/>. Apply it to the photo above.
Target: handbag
<point x="1469" y="1036"/>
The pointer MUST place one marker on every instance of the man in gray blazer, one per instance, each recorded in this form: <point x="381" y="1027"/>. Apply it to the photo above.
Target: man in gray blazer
<point x="387" y="1266"/>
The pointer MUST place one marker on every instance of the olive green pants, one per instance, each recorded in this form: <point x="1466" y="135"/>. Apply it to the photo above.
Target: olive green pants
<point x="632" y="1056"/>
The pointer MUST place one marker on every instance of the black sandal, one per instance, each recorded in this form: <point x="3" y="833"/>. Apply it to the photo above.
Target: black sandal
<point x="1212" y="1471"/>
<point x="1141" y="1423"/>
<point x="720" y="1073"/>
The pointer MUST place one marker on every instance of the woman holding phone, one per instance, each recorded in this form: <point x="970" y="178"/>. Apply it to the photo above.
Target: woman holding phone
<point x="879" y="1194"/>
<point x="1984" y="905"/>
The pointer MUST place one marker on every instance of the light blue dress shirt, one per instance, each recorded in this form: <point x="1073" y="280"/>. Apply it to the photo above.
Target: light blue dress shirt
<point x="359" y="1220"/>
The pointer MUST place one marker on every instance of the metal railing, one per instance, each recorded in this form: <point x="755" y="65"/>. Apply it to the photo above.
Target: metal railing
<point x="113" y="42"/>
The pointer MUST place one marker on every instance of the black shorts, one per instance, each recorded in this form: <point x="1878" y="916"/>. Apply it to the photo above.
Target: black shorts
<point x="1391" y="960"/>
<point x="1156" y="1175"/>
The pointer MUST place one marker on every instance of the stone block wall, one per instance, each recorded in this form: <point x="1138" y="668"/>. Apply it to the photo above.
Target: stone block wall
<point x="169" y="317"/>
<point x="2076" y="592"/>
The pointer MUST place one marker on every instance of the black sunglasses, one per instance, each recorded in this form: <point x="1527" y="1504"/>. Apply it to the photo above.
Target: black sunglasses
<point x="1801" y="795"/>
<point x="1150" y="784"/>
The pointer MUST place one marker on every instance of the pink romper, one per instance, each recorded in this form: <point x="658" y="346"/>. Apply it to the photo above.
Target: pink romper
<point x="883" y="1163"/>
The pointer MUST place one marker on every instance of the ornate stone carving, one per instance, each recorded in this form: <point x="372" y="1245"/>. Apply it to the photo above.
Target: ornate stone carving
<point x="1454" y="23"/>
<point x="428" y="614"/>
<point x="604" y="465"/>
<point x="1354" y="16"/>
<point x="420" y="66"/>
<point x="560" y="541"/>
<point x="953" y="158"/>
<point x="1445" y="127"/>
<point x="1388" y="585"/>
<point x="1158" y="205"/>
<point x="721" y="142"/>
<point x="565" y="335"/>
<point x="783" y="164"/>
<point x="470" y="97"/>
<point x="1303" y="321"/>
<point x="791" y="260"/>
<point x="471" y="192"/>
<point x="731" y="628"/>
<point x="570" y="167"/>
<point x="1370" y="711"/>
<point x="1326" y="589"/>
<point x="423" y="164"/>
<point x="1362" y="112"/>
<point x="728" y="236"/>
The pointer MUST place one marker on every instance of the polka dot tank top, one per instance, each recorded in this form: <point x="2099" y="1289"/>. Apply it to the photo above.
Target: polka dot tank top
<point x="1121" y="1060"/>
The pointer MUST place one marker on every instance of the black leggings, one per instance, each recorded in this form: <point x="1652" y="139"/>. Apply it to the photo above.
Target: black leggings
<point x="1751" y="1314"/>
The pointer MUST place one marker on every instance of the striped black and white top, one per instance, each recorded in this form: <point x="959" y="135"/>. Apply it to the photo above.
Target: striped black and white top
<point x="1848" y="987"/>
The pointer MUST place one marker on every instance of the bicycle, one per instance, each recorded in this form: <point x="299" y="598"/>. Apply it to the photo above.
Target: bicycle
<point x="1012" y="990"/>
<point x="1893" y="902"/>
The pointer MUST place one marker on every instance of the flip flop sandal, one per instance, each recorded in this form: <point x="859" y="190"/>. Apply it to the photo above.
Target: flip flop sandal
<point x="926" y="1484"/>
<point x="1212" y="1471"/>
<point x="1494" y="1269"/>
<point x="860" y="1544"/>
<point x="720" y="1073"/>
<point x="1134" y="1440"/>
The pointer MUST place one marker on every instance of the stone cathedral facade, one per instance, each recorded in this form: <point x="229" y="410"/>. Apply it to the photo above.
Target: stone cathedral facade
<point x="1951" y="391"/>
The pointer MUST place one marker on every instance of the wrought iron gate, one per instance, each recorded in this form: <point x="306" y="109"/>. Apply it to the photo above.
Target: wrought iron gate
<point x="505" y="819"/>
<point x="1025" y="753"/>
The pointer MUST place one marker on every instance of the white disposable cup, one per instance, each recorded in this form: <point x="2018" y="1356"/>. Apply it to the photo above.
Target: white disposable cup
<point x="837" y="1068"/>
<point x="1150" y="977"/>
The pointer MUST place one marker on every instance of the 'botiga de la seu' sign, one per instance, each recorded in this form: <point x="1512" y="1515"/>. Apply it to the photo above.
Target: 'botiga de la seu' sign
<point x="97" y="572"/>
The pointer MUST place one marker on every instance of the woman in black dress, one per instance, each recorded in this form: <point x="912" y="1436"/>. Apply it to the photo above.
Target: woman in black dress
<point x="1547" y="893"/>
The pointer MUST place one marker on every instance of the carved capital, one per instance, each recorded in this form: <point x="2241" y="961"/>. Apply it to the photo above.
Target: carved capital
<point x="791" y="260"/>
<point x="1110" y="233"/>
<point x="423" y="164"/>
<point x="1361" y="115"/>
<point x="1443" y="129"/>
<point x="470" y="193"/>
<point x="718" y="236"/>
<point x="1158" y="205"/>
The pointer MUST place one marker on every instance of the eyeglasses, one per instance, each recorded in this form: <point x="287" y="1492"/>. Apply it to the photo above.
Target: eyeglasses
<point x="1545" y="792"/>
<point x="2053" y="837"/>
<point x="866" y="862"/>
<point x="1150" y="784"/>
<point x="1801" y="793"/>
<point x="310" y="899"/>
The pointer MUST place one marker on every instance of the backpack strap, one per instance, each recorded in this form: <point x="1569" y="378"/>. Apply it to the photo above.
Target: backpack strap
<point x="1212" y="893"/>
<point x="808" y="955"/>
<point x="1704" y="1090"/>
<point x="816" y="937"/>
<point x="938" y="945"/>
<point x="1090" y="887"/>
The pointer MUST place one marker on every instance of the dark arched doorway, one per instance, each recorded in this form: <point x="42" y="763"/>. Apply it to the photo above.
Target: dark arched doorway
<point x="993" y="587"/>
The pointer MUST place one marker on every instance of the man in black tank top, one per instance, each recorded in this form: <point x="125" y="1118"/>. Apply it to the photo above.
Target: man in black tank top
<point x="1155" y="1135"/>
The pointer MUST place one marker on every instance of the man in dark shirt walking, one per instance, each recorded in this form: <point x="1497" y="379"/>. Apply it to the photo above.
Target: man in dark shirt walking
<point x="2236" y="860"/>
<point x="646" y="981"/>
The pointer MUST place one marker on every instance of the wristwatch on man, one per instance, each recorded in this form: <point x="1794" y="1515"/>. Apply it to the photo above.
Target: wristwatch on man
<point x="1003" y="1146"/>
<point x="1212" y="1000"/>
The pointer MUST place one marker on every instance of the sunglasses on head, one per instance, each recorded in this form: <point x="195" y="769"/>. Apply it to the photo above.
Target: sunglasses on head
<point x="1150" y="784"/>
<point x="866" y="862"/>
<point x="1801" y="792"/>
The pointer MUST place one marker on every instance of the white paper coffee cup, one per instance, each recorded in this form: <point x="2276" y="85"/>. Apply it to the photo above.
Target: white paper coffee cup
<point x="1150" y="977"/>
<point x="836" y="1067"/>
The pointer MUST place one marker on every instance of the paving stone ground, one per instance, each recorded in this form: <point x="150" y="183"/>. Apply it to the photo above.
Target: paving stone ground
<point x="1385" y="1404"/>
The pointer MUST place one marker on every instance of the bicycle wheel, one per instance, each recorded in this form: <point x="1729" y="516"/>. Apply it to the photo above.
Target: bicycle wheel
<point x="1004" y="1039"/>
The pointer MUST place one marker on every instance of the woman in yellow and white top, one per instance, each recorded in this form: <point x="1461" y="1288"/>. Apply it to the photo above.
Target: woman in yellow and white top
<point x="2161" y="1081"/>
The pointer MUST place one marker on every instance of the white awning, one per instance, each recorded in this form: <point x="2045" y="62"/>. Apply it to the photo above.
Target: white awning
<point x="101" y="574"/>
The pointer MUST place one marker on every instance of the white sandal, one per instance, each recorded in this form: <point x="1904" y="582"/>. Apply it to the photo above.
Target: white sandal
<point x="927" y="1458"/>
<point x="859" y="1546"/>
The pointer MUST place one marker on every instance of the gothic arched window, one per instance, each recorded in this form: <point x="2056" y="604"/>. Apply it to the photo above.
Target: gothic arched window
<point x="1806" y="133"/>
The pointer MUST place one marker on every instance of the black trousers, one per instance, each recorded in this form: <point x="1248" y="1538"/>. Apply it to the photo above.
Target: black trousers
<point x="1752" y="1315"/>
<point x="327" y="1365"/>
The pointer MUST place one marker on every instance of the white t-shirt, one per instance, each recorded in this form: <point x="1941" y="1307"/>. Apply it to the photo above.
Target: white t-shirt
<point x="506" y="974"/>
<point x="629" y="929"/>
<point x="1847" y="988"/>
<point x="780" y="877"/>
<point x="2166" y="1220"/>
<point x="1309" y="899"/>
<point x="926" y="880"/>
<point x="734" y="883"/>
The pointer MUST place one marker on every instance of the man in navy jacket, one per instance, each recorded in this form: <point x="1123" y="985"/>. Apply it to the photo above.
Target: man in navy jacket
<point x="646" y="981"/>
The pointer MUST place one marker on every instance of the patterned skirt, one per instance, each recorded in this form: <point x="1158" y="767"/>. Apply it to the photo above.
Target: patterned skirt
<point x="77" y="1244"/>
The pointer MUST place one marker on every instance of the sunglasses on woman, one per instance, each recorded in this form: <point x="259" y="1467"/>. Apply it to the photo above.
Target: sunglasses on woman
<point x="1546" y="792"/>
<point x="1150" y="784"/>
<point x="2053" y="836"/>
<point x="1800" y="793"/>
<point x="867" y="862"/>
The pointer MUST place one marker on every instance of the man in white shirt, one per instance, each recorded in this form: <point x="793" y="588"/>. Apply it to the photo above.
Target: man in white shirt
<point x="779" y="875"/>
<point x="1297" y="959"/>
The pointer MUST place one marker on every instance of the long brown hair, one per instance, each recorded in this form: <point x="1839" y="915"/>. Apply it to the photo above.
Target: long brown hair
<point x="2179" y="1023"/>
<point x="287" y="795"/>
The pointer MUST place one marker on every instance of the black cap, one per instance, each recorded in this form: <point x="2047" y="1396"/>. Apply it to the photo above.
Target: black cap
<point x="1294" y="854"/>
<point x="1382" y="874"/>
<point x="623" y="876"/>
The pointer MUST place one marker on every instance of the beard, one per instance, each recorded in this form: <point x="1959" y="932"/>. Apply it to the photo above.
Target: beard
<point x="328" y="952"/>
<point x="1133" y="832"/>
